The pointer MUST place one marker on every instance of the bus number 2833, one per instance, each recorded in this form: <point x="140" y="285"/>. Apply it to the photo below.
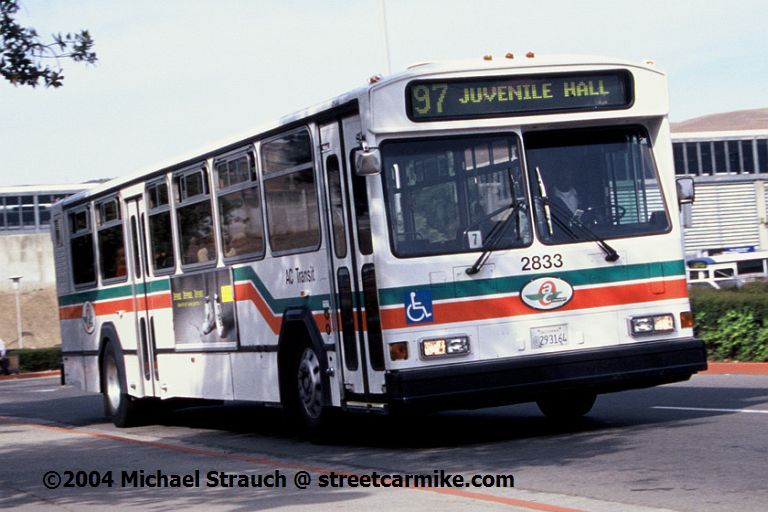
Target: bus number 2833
<point x="542" y="262"/>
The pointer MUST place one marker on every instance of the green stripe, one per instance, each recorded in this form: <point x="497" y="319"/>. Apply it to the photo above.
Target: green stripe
<point x="313" y="302"/>
<point x="506" y="285"/>
<point x="395" y="296"/>
<point x="115" y="292"/>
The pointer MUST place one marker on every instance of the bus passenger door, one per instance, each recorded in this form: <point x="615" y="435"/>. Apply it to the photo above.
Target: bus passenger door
<point x="348" y="254"/>
<point x="145" y="327"/>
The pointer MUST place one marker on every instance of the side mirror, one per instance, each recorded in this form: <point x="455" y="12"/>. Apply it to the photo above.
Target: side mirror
<point x="686" y="191"/>
<point x="367" y="161"/>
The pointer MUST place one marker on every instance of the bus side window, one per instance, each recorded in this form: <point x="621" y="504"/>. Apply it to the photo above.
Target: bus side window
<point x="333" y="176"/>
<point x="195" y="217"/>
<point x="111" y="240"/>
<point x="363" y="217"/>
<point x="81" y="248"/>
<point x="242" y="230"/>
<point x="293" y="217"/>
<point x="160" y="232"/>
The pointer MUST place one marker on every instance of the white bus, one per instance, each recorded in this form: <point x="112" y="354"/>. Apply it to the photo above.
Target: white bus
<point x="728" y="268"/>
<point x="457" y="235"/>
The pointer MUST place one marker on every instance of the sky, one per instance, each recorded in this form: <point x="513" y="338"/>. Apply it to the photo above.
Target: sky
<point x="178" y="76"/>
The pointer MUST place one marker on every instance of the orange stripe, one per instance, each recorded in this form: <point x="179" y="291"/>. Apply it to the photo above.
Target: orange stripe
<point x="533" y="505"/>
<point x="246" y="291"/>
<point x="111" y="307"/>
<point x="158" y="301"/>
<point x="501" y="307"/>
<point x="70" y="312"/>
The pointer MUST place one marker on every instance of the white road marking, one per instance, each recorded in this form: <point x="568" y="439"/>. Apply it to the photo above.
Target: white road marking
<point x="707" y="409"/>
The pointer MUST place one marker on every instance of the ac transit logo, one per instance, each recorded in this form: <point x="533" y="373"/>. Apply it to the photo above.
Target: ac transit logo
<point x="89" y="317"/>
<point x="546" y="293"/>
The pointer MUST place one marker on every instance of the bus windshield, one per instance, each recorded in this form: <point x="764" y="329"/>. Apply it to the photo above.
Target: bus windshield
<point x="446" y="196"/>
<point x="594" y="183"/>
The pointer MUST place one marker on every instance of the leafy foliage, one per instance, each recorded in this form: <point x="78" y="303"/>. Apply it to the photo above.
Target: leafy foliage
<point x="733" y="322"/>
<point x="39" y="359"/>
<point x="23" y="55"/>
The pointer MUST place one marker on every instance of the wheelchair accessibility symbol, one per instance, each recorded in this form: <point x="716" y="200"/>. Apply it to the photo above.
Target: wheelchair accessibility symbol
<point x="418" y="307"/>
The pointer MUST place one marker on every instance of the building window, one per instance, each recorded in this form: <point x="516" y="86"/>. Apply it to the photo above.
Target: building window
<point x="12" y="212"/>
<point x="28" y="211"/>
<point x="747" y="156"/>
<point x="678" y="149"/>
<point x="734" y="160"/>
<point x="293" y="218"/>
<point x="692" y="156"/>
<point x="706" y="157"/>
<point x="242" y="229"/>
<point x="762" y="155"/>
<point x="720" y="156"/>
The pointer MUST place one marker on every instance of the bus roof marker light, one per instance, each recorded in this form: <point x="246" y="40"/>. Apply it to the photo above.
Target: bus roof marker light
<point x="374" y="79"/>
<point x="530" y="55"/>
<point x="487" y="57"/>
<point x="509" y="55"/>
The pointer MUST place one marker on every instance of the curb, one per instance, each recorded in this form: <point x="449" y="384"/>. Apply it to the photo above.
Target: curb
<point x="34" y="375"/>
<point x="714" y="368"/>
<point x="717" y="368"/>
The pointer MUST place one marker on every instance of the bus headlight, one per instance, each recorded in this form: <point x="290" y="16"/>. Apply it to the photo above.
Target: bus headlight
<point x="450" y="346"/>
<point x="652" y="324"/>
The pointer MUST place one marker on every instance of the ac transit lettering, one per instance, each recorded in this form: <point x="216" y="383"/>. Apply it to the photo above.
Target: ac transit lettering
<point x="299" y="275"/>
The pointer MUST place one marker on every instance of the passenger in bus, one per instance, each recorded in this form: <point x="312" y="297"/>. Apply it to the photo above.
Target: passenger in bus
<point x="197" y="252"/>
<point x="120" y="270"/>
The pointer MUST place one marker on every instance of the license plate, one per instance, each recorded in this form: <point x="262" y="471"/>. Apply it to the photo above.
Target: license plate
<point x="552" y="336"/>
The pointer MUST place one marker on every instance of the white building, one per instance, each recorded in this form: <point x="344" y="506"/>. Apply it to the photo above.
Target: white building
<point x="25" y="240"/>
<point x="728" y="156"/>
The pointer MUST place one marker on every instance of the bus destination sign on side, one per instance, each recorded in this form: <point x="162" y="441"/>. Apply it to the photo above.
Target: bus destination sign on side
<point x="430" y="100"/>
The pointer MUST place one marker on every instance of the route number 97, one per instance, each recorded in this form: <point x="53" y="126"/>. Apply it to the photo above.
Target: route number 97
<point x="425" y="98"/>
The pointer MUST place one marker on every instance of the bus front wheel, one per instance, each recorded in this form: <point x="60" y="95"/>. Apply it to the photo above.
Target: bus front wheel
<point x="566" y="406"/>
<point x="305" y="402"/>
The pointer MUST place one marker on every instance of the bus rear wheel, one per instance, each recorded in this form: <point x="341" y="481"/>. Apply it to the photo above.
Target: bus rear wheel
<point x="567" y="406"/>
<point x="118" y="405"/>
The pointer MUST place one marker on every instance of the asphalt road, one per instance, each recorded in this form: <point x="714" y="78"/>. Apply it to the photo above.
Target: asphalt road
<point x="695" y="446"/>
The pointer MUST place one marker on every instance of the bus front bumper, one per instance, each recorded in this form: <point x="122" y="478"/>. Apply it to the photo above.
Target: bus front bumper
<point x="526" y="378"/>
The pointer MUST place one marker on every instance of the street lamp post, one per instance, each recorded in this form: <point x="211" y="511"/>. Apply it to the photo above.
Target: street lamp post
<point x="16" y="285"/>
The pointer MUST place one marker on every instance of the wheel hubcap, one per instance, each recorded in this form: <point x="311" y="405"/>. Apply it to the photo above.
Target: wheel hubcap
<point x="310" y="384"/>
<point x="113" y="386"/>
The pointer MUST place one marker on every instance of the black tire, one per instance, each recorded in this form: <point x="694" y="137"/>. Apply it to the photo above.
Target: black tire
<point x="566" y="406"/>
<point x="305" y="391"/>
<point x="119" y="407"/>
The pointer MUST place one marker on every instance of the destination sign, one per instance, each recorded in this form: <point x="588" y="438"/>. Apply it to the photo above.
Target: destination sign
<point x="431" y="100"/>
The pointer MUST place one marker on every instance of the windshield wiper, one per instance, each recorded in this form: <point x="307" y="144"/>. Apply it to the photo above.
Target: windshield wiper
<point x="556" y="213"/>
<point x="496" y="234"/>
